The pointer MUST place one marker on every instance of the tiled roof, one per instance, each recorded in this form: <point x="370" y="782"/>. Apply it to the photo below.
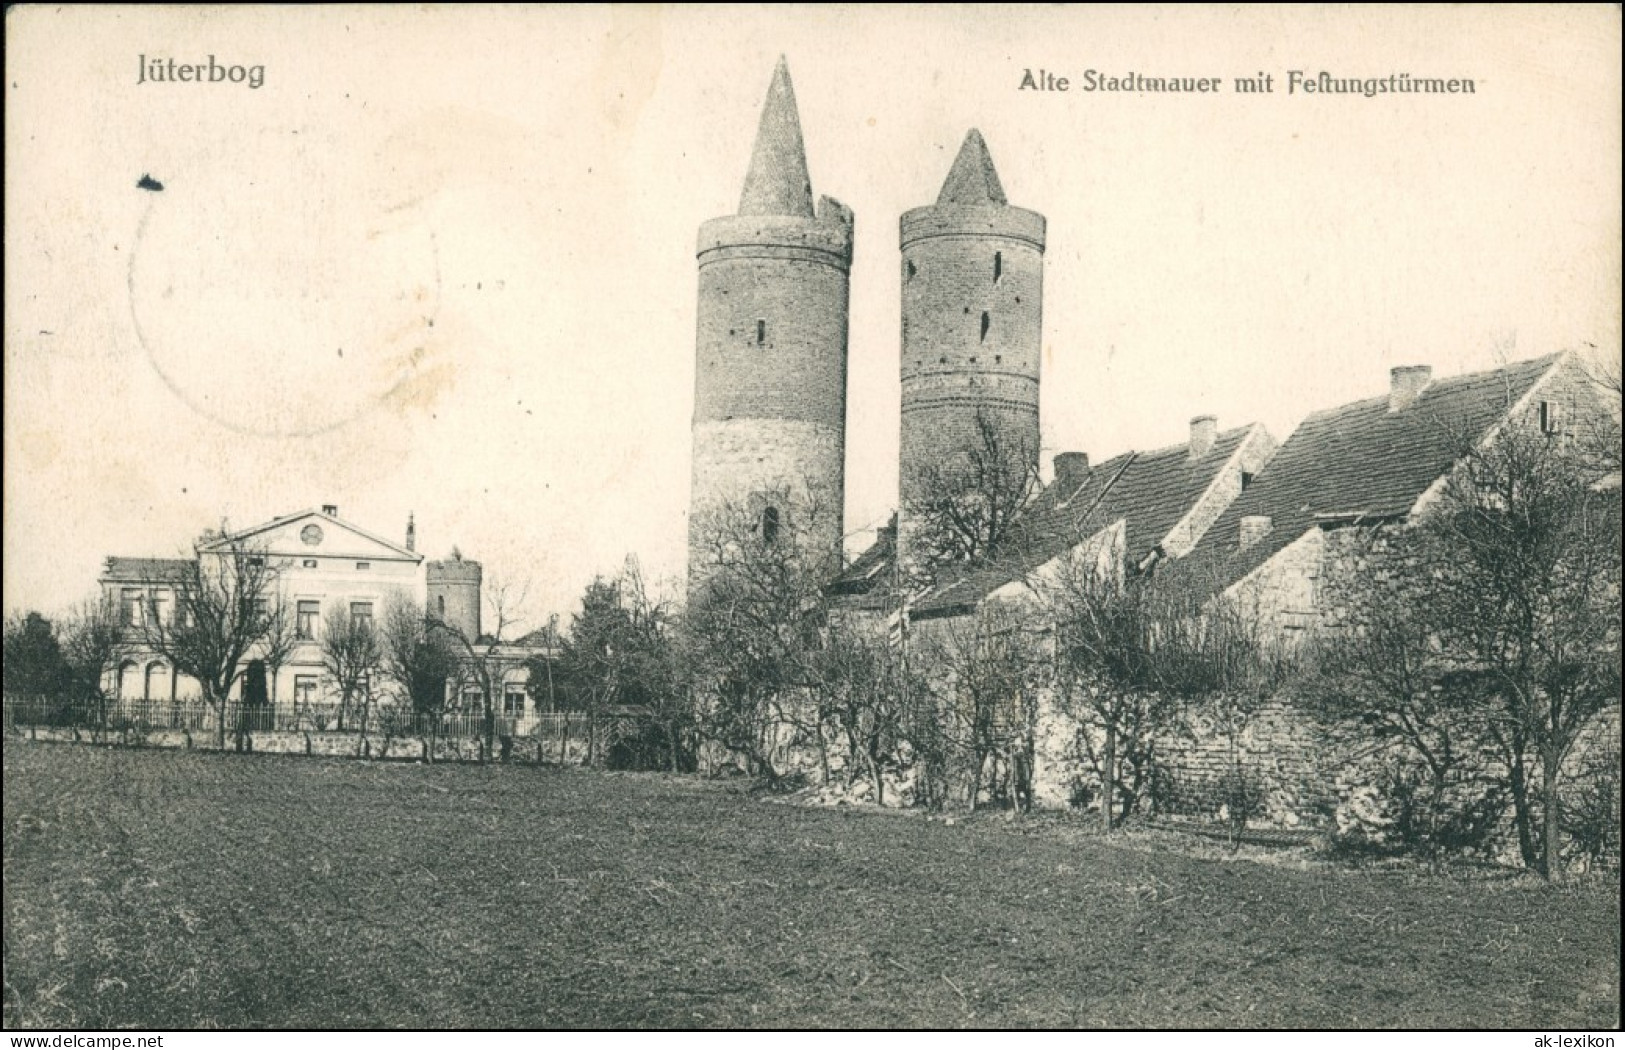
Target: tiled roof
<point x="142" y="569"/>
<point x="1359" y="459"/>
<point x="870" y="568"/>
<point x="1149" y="491"/>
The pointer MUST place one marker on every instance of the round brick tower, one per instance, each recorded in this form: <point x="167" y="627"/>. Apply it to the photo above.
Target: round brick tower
<point x="770" y="355"/>
<point x="453" y="588"/>
<point x="973" y="285"/>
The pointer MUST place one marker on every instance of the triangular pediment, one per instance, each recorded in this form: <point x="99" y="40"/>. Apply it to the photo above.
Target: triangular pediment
<point x="313" y="534"/>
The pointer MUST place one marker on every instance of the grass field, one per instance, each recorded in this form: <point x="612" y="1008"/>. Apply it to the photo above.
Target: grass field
<point x="168" y="889"/>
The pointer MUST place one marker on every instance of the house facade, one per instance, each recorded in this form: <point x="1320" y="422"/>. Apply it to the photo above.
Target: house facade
<point x="317" y="572"/>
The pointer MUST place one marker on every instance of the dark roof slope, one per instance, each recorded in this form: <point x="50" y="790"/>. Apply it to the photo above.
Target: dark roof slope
<point x="870" y="568"/>
<point x="144" y="569"/>
<point x="1149" y="491"/>
<point x="1359" y="459"/>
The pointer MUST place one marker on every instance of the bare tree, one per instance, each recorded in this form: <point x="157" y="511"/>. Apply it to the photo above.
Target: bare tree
<point x="1380" y="666"/>
<point x="279" y="638"/>
<point x="756" y="608"/>
<point x="988" y="670"/>
<point x="859" y="681"/>
<point x="1528" y="595"/>
<point x="966" y="508"/>
<point x="1599" y="434"/>
<point x="420" y="658"/>
<point x="91" y="638"/>
<point x="353" y="654"/>
<point x="1110" y="663"/>
<point x="483" y="657"/>
<point x="218" y="617"/>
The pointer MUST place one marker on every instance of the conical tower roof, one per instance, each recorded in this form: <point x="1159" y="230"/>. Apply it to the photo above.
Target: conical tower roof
<point x="777" y="183"/>
<point x="972" y="179"/>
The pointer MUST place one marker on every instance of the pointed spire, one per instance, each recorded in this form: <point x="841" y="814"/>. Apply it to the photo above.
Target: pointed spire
<point x="972" y="179"/>
<point x="777" y="183"/>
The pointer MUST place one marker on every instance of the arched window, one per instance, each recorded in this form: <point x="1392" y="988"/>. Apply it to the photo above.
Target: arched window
<point x="770" y="525"/>
<point x="440" y="600"/>
<point x="130" y="681"/>
<point x="157" y="684"/>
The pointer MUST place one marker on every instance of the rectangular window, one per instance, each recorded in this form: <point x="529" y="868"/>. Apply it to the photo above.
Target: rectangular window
<point x="361" y="614"/>
<point x="1246" y="479"/>
<point x="160" y="606"/>
<point x="1551" y="417"/>
<point x="304" y="689"/>
<point x="130" y="607"/>
<point x="513" y="702"/>
<point x="309" y="563"/>
<point x="761" y="332"/>
<point x="363" y="566"/>
<point x="309" y="619"/>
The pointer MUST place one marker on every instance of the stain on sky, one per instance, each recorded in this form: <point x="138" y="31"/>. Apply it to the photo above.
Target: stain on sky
<point x="149" y="183"/>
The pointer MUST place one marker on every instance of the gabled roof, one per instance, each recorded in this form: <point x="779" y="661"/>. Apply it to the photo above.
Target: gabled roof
<point x="148" y="569"/>
<point x="1359" y="461"/>
<point x="870" y="568"/>
<point x="216" y="545"/>
<point x="1151" y="492"/>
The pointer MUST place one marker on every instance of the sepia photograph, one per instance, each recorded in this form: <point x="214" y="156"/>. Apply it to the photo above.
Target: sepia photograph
<point x="801" y="518"/>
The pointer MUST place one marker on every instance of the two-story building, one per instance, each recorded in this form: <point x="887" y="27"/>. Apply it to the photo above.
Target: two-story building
<point x="319" y="571"/>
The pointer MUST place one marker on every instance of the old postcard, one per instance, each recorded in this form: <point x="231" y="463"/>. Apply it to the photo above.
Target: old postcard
<point x="485" y="327"/>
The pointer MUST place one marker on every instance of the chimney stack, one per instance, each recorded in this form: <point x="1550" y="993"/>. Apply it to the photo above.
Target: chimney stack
<point x="330" y="509"/>
<point x="887" y="533"/>
<point x="1071" y="468"/>
<point x="1254" y="527"/>
<point x="411" y="532"/>
<point x="1204" y="432"/>
<point x="1405" y="385"/>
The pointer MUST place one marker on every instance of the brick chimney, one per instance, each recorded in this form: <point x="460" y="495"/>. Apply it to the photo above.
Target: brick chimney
<point x="330" y="509"/>
<point x="1204" y="432"/>
<point x="887" y="533"/>
<point x="1071" y="468"/>
<point x="1405" y="385"/>
<point x="1254" y="527"/>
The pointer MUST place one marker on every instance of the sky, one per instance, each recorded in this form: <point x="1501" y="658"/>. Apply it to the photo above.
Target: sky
<point x="441" y="262"/>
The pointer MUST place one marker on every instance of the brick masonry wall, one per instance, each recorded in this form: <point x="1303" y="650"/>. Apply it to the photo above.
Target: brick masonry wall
<point x="972" y="307"/>
<point x="770" y="364"/>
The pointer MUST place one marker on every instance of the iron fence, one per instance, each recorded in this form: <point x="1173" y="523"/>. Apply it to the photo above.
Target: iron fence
<point x="195" y="716"/>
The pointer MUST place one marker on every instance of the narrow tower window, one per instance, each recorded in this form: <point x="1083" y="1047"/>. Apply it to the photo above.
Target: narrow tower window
<point x="984" y="326"/>
<point x="770" y="525"/>
<point x="761" y="332"/>
<point x="911" y="271"/>
<point x="998" y="266"/>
